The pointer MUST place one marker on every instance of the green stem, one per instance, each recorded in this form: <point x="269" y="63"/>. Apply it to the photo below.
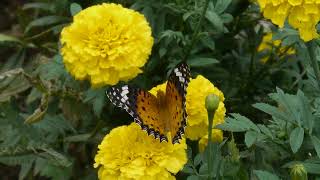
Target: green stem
<point x="210" y="118"/>
<point x="313" y="58"/>
<point x="196" y="31"/>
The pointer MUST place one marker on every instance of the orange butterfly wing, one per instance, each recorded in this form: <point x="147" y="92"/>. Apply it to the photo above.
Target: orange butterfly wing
<point x="142" y="106"/>
<point x="176" y="98"/>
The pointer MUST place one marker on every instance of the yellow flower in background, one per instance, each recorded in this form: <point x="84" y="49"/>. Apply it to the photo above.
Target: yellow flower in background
<point x="267" y="44"/>
<point x="106" y="44"/>
<point x="303" y="15"/>
<point x="128" y="153"/>
<point x="217" y="136"/>
<point x="197" y="121"/>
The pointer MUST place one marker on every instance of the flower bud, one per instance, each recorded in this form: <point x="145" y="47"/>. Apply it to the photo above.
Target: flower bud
<point x="298" y="172"/>
<point x="212" y="102"/>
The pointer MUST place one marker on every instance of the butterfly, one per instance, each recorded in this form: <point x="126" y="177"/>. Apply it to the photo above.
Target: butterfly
<point x="160" y="114"/>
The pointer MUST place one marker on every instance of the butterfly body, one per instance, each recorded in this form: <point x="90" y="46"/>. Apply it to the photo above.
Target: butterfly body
<point x="158" y="114"/>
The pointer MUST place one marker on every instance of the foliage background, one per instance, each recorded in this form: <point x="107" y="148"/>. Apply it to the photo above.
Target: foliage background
<point x="51" y="124"/>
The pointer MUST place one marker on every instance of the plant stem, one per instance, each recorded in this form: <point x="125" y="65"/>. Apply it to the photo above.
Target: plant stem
<point x="196" y="31"/>
<point x="210" y="118"/>
<point x="312" y="54"/>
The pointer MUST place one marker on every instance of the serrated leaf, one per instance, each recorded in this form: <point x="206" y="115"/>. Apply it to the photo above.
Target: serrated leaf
<point x="316" y="144"/>
<point x="222" y="5"/>
<point x="296" y="139"/>
<point x="265" y="175"/>
<point x="45" y="21"/>
<point x="201" y="61"/>
<point x="250" y="138"/>
<point x="283" y="100"/>
<point x="75" y="8"/>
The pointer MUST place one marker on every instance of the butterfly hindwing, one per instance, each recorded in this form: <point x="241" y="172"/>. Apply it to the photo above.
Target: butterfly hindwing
<point x="176" y="99"/>
<point x="142" y="106"/>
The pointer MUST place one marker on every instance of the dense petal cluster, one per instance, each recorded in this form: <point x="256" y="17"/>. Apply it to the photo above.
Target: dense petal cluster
<point x="106" y="44"/>
<point x="303" y="15"/>
<point x="197" y="124"/>
<point x="197" y="121"/>
<point x="267" y="44"/>
<point x="128" y="153"/>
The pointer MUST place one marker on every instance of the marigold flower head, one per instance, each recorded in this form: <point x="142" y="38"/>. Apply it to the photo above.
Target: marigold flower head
<point x="106" y="44"/>
<point x="303" y="15"/>
<point x="128" y="153"/>
<point x="197" y="121"/>
<point x="267" y="44"/>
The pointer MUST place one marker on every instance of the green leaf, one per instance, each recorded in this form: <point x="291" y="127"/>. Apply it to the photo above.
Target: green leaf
<point x="193" y="177"/>
<point x="296" y="139"/>
<point x="39" y="5"/>
<point x="187" y="169"/>
<point x="247" y="121"/>
<point x="250" y="138"/>
<point x="222" y="5"/>
<point x="25" y="168"/>
<point x="75" y="8"/>
<point x="316" y="144"/>
<point x="265" y="130"/>
<point x="273" y="111"/>
<point x="201" y="61"/>
<point x="97" y="97"/>
<point x="78" y="138"/>
<point x="45" y="21"/>
<point x="7" y="38"/>
<point x="306" y="112"/>
<point x="197" y="159"/>
<point x="233" y="125"/>
<point x="265" y="175"/>
<point x="39" y="113"/>
<point x="313" y="168"/>
<point x="11" y="83"/>
<point x="215" y="20"/>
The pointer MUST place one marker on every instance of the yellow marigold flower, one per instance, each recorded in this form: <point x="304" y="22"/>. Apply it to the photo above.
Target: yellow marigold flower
<point x="217" y="136"/>
<point x="267" y="44"/>
<point x="303" y="15"/>
<point x="106" y="44"/>
<point x="197" y="121"/>
<point x="128" y="153"/>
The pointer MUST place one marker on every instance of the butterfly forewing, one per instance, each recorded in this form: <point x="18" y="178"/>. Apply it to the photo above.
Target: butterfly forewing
<point x="142" y="106"/>
<point x="176" y="98"/>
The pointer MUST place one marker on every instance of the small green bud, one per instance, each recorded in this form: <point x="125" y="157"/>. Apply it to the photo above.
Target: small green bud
<point x="298" y="172"/>
<point x="212" y="102"/>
